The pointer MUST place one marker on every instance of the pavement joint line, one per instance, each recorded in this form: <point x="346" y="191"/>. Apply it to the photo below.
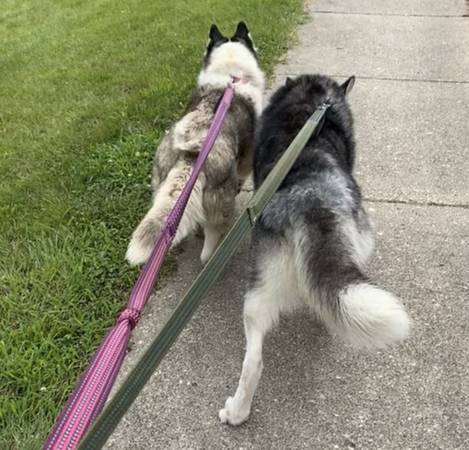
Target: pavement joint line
<point x="346" y="13"/>
<point x="410" y="80"/>
<point x="401" y="202"/>
<point x="416" y="203"/>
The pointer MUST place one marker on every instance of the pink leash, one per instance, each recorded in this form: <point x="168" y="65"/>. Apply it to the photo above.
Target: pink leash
<point x="89" y="396"/>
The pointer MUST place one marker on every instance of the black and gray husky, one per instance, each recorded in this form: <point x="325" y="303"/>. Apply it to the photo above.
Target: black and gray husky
<point x="313" y="240"/>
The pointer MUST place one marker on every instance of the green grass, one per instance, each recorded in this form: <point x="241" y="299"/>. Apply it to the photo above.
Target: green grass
<point x="87" y="88"/>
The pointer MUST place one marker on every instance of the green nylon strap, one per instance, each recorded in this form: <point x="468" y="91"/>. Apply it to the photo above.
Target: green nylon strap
<point x="140" y="374"/>
<point x="284" y="164"/>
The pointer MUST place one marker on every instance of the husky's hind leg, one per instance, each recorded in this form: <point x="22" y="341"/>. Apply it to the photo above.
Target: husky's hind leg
<point x="330" y="269"/>
<point x="212" y="237"/>
<point x="147" y="232"/>
<point x="275" y="291"/>
<point x="358" y="238"/>
<point x="219" y="205"/>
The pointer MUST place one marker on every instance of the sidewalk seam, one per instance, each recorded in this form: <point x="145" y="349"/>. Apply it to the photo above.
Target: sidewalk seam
<point x="410" y="80"/>
<point x="401" y="202"/>
<point x="416" y="203"/>
<point x="346" y="13"/>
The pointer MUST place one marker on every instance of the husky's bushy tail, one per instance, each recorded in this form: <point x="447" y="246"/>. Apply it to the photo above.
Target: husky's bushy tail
<point x="360" y="313"/>
<point x="370" y="317"/>
<point x="149" y="229"/>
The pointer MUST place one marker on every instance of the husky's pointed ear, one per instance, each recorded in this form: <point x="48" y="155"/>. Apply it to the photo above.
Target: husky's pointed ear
<point x="242" y="31"/>
<point x="215" y="34"/>
<point x="347" y="85"/>
<point x="288" y="81"/>
<point x="243" y="36"/>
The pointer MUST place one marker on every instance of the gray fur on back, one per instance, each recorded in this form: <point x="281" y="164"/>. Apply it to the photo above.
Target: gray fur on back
<point x="317" y="209"/>
<point x="235" y="142"/>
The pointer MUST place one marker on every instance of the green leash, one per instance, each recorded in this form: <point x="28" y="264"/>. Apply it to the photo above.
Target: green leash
<point x="138" y="377"/>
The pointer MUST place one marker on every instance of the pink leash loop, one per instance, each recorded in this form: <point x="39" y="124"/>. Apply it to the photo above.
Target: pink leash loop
<point x="91" y="392"/>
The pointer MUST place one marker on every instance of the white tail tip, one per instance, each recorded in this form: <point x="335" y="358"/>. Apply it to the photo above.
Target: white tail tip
<point x="371" y="317"/>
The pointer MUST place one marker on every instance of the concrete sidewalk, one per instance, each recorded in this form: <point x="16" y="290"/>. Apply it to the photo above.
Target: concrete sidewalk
<point x="411" y="104"/>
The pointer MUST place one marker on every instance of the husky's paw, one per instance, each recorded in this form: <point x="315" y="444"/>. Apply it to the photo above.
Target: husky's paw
<point x="205" y="256"/>
<point x="137" y="253"/>
<point x="207" y="252"/>
<point x="232" y="413"/>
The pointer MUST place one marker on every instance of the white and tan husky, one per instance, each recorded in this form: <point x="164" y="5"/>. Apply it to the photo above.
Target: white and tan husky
<point x="211" y="204"/>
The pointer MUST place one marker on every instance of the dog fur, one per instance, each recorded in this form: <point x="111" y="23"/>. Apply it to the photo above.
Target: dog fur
<point x="313" y="240"/>
<point x="211" y="204"/>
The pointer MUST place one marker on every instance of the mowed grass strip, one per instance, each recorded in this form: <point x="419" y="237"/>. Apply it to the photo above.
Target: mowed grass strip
<point x="86" y="90"/>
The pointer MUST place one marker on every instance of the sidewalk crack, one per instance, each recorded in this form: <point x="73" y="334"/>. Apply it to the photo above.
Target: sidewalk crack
<point x="416" y="203"/>
<point x="347" y="13"/>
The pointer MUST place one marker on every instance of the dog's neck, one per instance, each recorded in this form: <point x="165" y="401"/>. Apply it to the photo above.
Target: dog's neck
<point x="233" y="60"/>
<point x="230" y="60"/>
<point x="244" y="86"/>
